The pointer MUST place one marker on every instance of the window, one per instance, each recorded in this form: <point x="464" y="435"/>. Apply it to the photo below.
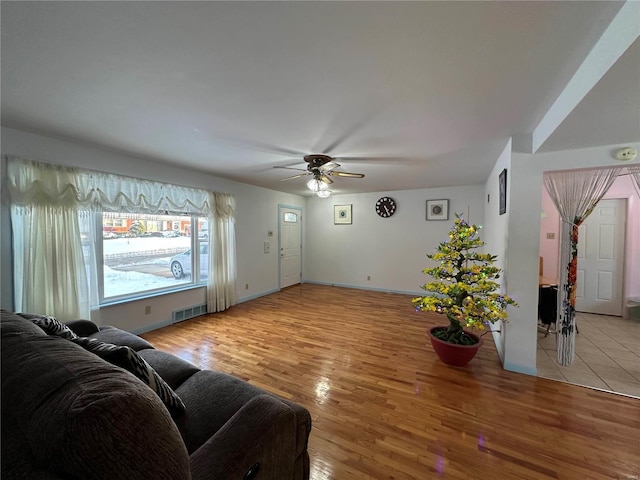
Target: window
<point x="64" y="233"/>
<point x="144" y="254"/>
<point x="290" y="217"/>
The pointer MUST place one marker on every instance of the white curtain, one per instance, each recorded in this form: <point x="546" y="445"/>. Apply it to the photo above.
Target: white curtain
<point x="48" y="261"/>
<point x="221" y="286"/>
<point x="575" y="194"/>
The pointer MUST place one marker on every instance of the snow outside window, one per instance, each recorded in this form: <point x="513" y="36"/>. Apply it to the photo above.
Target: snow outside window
<point x="143" y="254"/>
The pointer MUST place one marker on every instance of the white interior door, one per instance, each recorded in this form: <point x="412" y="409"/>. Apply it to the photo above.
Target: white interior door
<point x="290" y="246"/>
<point x="599" y="282"/>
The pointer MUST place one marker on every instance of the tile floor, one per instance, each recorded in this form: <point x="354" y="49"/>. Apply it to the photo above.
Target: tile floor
<point x="607" y="354"/>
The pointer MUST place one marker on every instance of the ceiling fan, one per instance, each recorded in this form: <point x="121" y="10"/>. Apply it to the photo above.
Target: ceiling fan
<point x="322" y="168"/>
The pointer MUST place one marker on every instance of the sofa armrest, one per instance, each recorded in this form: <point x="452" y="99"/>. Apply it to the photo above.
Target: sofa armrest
<point x="260" y="436"/>
<point x="82" y="328"/>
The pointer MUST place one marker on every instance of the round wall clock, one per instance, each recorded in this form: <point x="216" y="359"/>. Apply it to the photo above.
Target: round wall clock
<point x="385" y="207"/>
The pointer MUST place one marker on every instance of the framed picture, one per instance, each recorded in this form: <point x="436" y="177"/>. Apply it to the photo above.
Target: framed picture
<point x="437" y="209"/>
<point x="342" y="214"/>
<point x="502" y="183"/>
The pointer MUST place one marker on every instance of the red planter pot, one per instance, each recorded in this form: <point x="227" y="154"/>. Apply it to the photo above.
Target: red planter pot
<point x="454" y="354"/>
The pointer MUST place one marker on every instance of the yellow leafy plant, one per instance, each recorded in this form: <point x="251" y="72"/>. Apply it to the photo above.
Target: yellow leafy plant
<point x="464" y="287"/>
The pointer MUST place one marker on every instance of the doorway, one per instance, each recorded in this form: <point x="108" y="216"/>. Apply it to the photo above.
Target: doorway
<point x="601" y="250"/>
<point x="290" y="245"/>
<point x="608" y="346"/>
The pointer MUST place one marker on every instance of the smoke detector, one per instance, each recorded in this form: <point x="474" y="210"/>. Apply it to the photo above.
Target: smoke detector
<point x="627" y="154"/>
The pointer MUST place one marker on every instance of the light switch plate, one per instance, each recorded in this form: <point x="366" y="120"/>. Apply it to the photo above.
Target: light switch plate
<point x="266" y="247"/>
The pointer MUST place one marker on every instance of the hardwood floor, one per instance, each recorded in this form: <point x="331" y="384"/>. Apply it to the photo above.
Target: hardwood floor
<point x="384" y="406"/>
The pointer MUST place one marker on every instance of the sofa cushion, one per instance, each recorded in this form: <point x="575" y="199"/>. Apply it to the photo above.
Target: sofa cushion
<point x="109" y="334"/>
<point x="172" y="369"/>
<point x="80" y="417"/>
<point x="82" y="328"/>
<point x="130" y="360"/>
<point x="13" y="324"/>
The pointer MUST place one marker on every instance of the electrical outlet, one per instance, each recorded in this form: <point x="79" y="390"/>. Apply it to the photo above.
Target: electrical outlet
<point x="246" y="286"/>
<point x="551" y="236"/>
<point x="147" y="309"/>
<point x="266" y="247"/>
<point x="368" y="277"/>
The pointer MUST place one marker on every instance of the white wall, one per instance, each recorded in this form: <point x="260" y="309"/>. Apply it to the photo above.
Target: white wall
<point x="524" y="243"/>
<point x="257" y="212"/>
<point x="495" y="232"/>
<point x="392" y="251"/>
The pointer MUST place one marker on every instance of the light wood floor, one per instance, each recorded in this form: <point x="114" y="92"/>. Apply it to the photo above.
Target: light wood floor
<point x="384" y="406"/>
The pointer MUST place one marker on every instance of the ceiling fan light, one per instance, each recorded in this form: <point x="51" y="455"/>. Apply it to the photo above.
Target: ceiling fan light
<point x="316" y="185"/>
<point x="313" y="185"/>
<point x="323" y="193"/>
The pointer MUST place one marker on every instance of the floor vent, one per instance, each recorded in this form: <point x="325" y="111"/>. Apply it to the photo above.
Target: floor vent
<point x="189" y="312"/>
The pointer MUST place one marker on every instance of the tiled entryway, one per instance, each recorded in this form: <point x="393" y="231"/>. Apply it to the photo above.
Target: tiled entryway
<point x="607" y="354"/>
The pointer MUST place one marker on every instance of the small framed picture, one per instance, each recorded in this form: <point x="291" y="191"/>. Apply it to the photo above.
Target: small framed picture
<point x="502" y="182"/>
<point x="342" y="214"/>
<point x="437" y="209"/>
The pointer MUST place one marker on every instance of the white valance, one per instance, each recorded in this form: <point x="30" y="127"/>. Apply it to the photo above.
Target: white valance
<point x="32" y="183"/>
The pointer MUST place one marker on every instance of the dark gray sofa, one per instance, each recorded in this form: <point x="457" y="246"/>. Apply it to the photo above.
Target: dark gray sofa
<point x="66" y="413"/>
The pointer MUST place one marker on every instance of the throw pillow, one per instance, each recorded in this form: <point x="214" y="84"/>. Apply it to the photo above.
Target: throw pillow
<point x="50" y="325"/>
<point x="130" y="360"/>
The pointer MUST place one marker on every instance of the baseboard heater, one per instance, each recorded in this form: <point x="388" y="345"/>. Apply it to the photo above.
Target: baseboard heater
<point x="189" y="312"/>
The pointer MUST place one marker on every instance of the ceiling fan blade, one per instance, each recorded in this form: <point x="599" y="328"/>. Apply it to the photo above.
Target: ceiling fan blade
<point x="383" y="160"/>
<point x="347" y="123"/>
<point x="327" y="167"/>
<point x="326" y="179"/>
<point x="260" y="146"/>
<point x="295" y="176"/>
<point x="346" y="174"/>
<point x="292" y="168"/>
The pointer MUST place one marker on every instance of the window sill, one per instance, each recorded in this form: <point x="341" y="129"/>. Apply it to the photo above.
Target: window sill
<point x="137" y="298"/>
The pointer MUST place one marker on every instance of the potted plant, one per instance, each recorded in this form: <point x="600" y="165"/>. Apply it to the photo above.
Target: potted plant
<point x="463" y="289"/>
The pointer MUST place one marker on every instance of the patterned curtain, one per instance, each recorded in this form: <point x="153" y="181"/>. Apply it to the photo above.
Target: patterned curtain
<point x="575" y="194"/>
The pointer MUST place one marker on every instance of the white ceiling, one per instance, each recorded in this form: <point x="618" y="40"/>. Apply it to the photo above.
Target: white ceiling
<point x="424" y="94"/>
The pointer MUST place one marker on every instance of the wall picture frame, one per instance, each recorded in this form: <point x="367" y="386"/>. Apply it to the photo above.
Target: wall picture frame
<point x="438" y="209"/>
<point x="342" y="214"/>
<point x="502" y="186"/>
